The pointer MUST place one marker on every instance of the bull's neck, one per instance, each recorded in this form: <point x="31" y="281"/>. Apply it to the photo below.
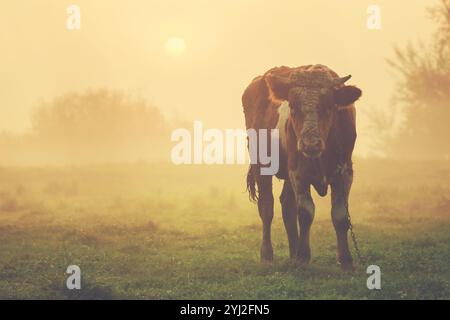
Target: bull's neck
<point x="315" y="168"/>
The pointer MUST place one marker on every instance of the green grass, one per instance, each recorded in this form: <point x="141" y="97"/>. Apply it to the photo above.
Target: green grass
<point x="189" y="232"/>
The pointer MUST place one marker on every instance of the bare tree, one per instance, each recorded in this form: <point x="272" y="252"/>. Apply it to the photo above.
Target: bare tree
<point x="423" y="91"/>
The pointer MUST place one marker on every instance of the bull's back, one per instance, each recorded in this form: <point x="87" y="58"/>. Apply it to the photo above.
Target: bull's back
<point x="252" y="99"/>
<point x="259" y="110"/>
<point x="262" y="110"/>
<point x="260" y="106"/>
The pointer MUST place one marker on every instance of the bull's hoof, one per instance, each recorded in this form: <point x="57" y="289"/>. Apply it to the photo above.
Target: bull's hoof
<point x="346" y="263"/>
<point x="266" y="255"/>
<point x="303" y="261"/>
<point x="347" y="267"/>
<point x="304" y="256"/>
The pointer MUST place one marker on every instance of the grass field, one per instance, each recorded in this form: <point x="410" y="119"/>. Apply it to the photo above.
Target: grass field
<point x="163" y="232"/>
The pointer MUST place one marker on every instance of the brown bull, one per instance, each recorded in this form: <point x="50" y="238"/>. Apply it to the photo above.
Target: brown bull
<point x="315" y="114"/>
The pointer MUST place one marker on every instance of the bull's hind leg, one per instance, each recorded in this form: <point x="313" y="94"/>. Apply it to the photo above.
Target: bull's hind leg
<point x="340" y="190"/>
<point x="289" y="211"/>
<point x="265" y="208"/>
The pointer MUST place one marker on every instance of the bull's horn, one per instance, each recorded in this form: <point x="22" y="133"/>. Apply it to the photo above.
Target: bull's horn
<point x="341" y="81"/>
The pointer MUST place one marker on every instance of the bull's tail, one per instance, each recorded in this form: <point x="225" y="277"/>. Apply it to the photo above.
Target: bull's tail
<point x="251" y="185"/>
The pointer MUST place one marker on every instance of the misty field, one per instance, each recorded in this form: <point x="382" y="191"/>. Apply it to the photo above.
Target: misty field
<point x="148" y="231"/>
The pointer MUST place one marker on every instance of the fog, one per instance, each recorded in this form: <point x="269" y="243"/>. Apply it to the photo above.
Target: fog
<point x="121" y="48"/>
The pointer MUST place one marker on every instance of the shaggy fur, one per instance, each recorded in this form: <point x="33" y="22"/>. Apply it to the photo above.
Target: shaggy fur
<point x="322" y="115"/>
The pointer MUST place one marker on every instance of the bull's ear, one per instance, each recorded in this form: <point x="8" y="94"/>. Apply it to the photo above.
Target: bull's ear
<point x="347" y="95"/>
<point x="278" y="85"/>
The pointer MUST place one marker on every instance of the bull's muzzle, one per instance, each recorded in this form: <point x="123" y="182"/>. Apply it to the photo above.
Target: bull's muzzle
<point x="311" y="147"/>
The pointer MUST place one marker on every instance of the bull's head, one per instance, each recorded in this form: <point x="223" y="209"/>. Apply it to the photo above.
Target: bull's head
<point x="314" y="97"/>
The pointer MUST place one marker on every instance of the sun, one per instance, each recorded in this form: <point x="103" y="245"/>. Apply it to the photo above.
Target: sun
<point x="175" y="46"/>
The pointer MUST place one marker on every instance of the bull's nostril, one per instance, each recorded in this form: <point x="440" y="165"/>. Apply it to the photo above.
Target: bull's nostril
<point x="312" y="146"/>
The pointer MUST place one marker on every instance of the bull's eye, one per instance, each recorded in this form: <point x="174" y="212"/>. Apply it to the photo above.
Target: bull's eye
<point x="325" y="108"/>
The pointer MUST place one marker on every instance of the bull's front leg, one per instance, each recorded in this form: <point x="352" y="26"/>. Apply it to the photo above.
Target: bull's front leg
<point x="306" y="209"/>
<point x="340" y="189"/>
<point x="305" y="213"/>
<point x="289" y="211"/>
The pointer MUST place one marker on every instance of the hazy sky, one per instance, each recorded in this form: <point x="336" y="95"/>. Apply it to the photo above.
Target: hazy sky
<point x="121" y="45"/>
